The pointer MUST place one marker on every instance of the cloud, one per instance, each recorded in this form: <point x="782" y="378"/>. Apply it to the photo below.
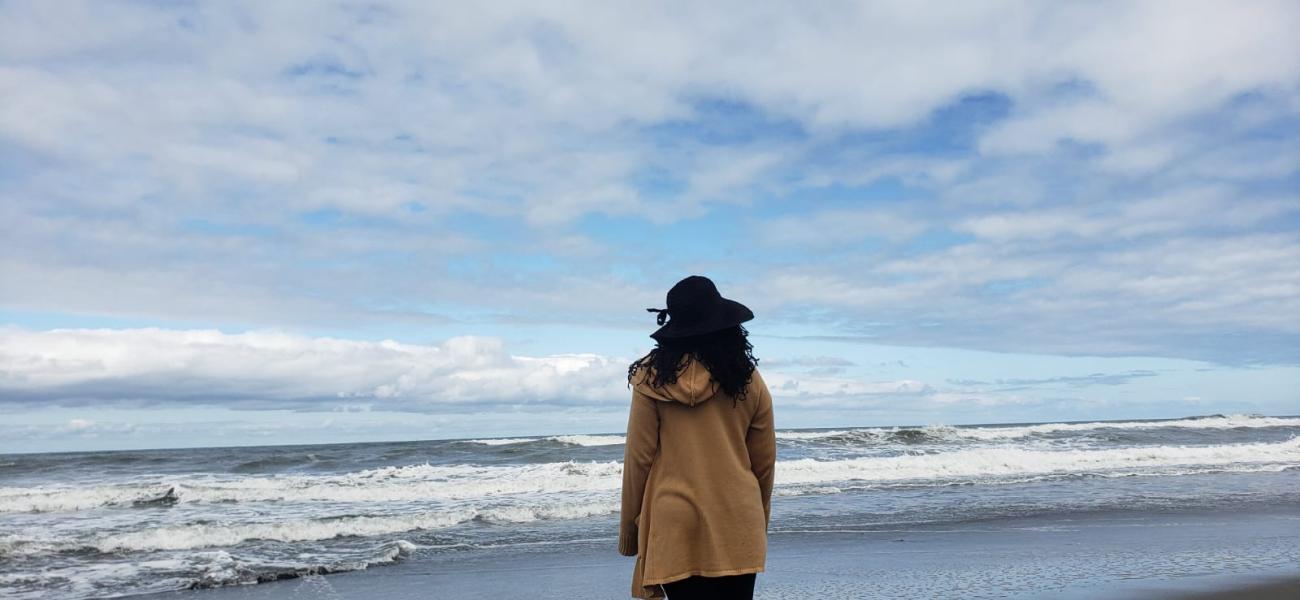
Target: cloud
<point x="1181" y="212"/>
<point x="1111" y="379"/>
<point x="817" y="391"/>
<point x="269" y="370"/>
<point x="1104" y="283"/>
<point x="463" y="108"/>
<point x="1100" y="178"/>
<point x="839" y="227"/>
<point x="810" y="366"/>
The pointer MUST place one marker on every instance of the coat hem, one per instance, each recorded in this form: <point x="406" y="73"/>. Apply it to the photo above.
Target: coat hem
<point x="702" y="573"/>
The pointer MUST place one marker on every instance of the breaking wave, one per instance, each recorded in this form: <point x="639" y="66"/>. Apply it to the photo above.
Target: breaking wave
<point x="949" y="433"/>
<point x="215" y="535"/>
<point x="589" y="440"/>
<point x="984" y="464"/>
<point x="571" y="440"/>
<point x="501" y="441"/>
<point x="414" y="483"/>
<point x="478" y="484"/>
<point x="938" y="433"/>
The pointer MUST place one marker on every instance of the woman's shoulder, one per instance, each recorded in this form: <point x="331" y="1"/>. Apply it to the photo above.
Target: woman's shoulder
<point x="640" y="367"/>
<point x="756" y="380"/>
<point x="640" y="372"/>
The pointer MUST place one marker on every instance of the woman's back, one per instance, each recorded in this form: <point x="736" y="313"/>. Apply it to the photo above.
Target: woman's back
<point x="698" y="472"/>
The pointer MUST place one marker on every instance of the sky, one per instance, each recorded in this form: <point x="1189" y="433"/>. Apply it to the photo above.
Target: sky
<point x="245" y="223"/>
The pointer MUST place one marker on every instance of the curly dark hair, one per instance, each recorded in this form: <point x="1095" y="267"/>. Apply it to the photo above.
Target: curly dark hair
<point x="726" y="353"/>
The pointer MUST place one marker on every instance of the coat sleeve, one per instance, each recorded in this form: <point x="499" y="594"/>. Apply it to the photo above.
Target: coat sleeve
<point x="638" y="454"/>
<point x="761" y="442"/>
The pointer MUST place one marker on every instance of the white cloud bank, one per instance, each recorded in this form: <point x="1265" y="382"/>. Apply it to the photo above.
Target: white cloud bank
<point x="277" y="370"/>
<point x="272" y="369"/>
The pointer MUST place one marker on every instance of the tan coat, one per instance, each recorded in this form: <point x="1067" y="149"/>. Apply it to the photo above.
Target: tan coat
<point x="697" y="480"/>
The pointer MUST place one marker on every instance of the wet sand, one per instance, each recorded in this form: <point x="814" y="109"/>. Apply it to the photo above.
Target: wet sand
<point x="1282" y="589"/>
<point x="1080" y="557"/>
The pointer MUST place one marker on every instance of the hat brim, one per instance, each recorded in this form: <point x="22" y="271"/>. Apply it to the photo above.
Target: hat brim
<point x="729" y="314"/>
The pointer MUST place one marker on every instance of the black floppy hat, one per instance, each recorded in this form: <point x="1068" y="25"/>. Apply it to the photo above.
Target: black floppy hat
<point x="695" y="307"/>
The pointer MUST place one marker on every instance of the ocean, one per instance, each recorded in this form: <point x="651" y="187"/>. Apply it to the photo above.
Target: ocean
<point x="114" y="524"/>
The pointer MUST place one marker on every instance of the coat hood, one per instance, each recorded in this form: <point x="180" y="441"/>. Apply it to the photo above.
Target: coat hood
<point x="694" y="384"/>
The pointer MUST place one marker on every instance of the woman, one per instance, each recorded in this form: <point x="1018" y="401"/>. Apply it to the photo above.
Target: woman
<point x="700" y="454"/>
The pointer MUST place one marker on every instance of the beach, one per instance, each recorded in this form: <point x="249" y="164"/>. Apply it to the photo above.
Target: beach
<point x="399" y="299"/>
<point x="1084" y="510"/>
<point x="1217" y="555"/>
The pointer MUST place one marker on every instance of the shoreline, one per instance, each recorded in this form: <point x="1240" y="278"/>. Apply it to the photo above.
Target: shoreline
<point x="1273" y="589"/>
<point x="1167" y="556"/>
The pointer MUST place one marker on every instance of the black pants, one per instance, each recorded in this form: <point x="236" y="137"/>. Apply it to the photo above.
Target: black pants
<point x="732" y="587"/>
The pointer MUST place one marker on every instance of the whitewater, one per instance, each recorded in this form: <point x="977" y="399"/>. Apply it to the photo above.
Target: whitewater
<point x="86" y="525"/>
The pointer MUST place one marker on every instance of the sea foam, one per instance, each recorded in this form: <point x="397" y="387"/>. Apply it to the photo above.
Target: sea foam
<point x="501" y="441"/>
<point x="183" y="537"/>
<point x="572" y="440"/>
<point x="589" y="440"/>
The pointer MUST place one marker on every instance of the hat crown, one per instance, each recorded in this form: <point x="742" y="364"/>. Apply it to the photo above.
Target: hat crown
<point x="692" y="298"/>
